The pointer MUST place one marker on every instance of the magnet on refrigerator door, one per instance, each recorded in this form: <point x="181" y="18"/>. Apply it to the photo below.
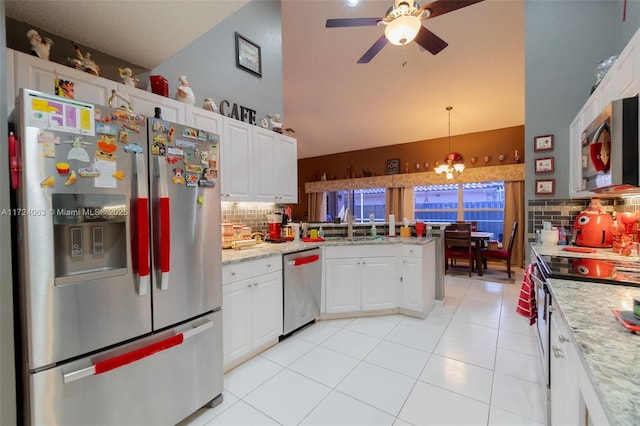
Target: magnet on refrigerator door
<point x="159" y="145"/>
<point x="178" y="176"/>
<point x="133" y="148"/>
<point x="192" y="180"/>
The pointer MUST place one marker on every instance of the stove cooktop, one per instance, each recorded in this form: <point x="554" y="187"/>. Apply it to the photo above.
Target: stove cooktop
<point x="596" y="270"/>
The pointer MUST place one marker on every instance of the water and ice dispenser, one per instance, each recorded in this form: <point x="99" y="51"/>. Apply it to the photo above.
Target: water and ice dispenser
<point x="90" y="236"/>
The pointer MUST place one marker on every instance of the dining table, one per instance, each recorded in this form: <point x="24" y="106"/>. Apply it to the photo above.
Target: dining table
<point x="479" y="238"/>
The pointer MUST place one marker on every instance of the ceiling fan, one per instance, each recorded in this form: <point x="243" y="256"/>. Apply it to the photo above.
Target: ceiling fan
<point x="403" y="23"/>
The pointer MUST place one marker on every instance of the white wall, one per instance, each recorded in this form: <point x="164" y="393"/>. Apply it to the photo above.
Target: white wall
<point x="210" y="66"/>
<point x="7" y="379"/>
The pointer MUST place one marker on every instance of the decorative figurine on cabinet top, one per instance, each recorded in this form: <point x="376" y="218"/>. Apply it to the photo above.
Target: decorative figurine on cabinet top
<point x="127" y="77"/>
<point x="264" y="123"/>
<point x="184" y="92"/>
<point x="84" y="62"/>
<point x="210" y="105"/>
<point x="276" y="124"/>
<point x="39" y="46"/>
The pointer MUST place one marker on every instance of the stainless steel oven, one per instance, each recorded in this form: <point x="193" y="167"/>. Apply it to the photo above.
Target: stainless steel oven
<point x="543" y="323"/>
<point x="544" y="309"/>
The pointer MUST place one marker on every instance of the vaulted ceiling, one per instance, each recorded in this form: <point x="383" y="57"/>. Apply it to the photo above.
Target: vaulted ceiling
<point x="333" y="103"/>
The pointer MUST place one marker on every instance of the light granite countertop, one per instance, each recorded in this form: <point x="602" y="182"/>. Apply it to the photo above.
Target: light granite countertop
<point x="269" y="249"/>
<point x="601" y="253"/>
<point x="610" y="353"/>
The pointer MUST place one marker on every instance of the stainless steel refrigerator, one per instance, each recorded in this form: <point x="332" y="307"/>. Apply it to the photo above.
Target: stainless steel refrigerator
<point x="118" y="240"/>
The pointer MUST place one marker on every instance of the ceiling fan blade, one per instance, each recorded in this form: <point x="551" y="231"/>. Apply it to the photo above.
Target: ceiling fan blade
<point x="440" y="7"/>
<point x="430" y="41"/>
<point x="373" y="50"/>
<point x="352" y="22"/>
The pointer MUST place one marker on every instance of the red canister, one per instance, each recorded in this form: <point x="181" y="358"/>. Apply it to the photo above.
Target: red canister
<point x="159" y="85"/>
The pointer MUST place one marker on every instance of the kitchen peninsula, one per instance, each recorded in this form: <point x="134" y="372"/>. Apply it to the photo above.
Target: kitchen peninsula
<point x="358" y="277"/>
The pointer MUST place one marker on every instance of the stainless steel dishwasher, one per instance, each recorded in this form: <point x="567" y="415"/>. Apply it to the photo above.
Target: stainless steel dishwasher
<point x="302" y="277"/>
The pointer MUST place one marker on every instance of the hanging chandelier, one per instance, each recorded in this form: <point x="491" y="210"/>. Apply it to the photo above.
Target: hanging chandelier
<point x="453" y="161"/>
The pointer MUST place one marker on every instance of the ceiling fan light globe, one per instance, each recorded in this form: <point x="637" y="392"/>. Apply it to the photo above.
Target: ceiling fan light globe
<point x="459" y="167"/>
<point x="402" y="30"/>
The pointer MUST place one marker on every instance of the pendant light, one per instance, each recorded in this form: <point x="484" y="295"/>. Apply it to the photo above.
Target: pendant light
<point x="453" y="161"/>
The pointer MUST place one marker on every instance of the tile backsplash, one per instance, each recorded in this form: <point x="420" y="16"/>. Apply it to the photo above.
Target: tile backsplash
<point x="249" y="214"/>
<point x="562" y="212"/>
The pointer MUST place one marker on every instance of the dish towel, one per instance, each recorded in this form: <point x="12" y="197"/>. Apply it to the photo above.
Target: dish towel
<point x="527" y="302"/>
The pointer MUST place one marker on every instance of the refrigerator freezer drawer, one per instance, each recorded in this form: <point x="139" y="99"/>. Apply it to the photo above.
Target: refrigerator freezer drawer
<point x="158" y="380"/>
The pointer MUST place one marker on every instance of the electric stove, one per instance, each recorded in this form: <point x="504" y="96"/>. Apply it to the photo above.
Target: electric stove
<point x="618" y="272"/>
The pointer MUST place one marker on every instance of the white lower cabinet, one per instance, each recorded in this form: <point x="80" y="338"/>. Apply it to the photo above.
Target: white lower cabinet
<point x="379" y="280"/>
<point x="368" y="282"/>
<point x="565" y="393"/>
<point x="251" y="307"/>
<point x="342" y="278"/>
<point x="418" y="277"/>
<point x="368" y="278"/>
<point x="573" y="398"/>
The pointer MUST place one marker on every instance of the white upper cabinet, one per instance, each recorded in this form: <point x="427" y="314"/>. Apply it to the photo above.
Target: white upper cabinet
<point x="11" y="90"/>
<point x="621" y="81"/>
<point x="202" y="119"/>
<point x="144" y="102"/>
<point x="236" y="171"/>
<point x="265" y="158"/>
<point x="256" y="164"/>
<point x="286" y="175"/>
<point x="34" y="73"/>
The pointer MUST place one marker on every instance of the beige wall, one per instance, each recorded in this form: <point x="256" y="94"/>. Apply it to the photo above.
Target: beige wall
<point x="490" y="143"/>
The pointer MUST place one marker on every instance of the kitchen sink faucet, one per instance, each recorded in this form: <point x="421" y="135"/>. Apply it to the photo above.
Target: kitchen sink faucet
<point x="349" y="219"/>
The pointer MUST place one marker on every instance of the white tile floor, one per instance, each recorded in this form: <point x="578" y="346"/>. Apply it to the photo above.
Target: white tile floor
<point x="470" y="362"/>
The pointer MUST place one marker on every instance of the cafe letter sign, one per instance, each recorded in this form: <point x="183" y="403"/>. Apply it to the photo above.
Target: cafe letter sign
<point x="238" y="112"/>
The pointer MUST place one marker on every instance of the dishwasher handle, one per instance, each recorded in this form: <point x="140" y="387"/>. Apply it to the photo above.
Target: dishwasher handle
<point x="304" y="260"/>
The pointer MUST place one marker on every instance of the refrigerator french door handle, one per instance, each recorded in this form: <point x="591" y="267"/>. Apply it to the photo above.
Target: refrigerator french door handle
<point x="142" y="226"/>
<point x="164" y="240"/>
<point x="135" y="355"/>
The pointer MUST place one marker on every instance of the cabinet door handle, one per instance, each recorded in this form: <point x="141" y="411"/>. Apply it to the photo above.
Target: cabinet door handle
<point x="233" y="274"/>
<point x="562" y="339"/>
<point x="557" y="352"/>
<point x="249" y="285"/>
<point x="255" y="284"/>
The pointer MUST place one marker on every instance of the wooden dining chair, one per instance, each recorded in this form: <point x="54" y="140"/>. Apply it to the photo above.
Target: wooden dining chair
<point x="458" y="246"/>
<point x="473" y="223"/>
<point x="504" y="255"/>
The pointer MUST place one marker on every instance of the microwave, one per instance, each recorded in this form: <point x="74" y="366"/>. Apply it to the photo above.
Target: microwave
<point x="609" y="148"/>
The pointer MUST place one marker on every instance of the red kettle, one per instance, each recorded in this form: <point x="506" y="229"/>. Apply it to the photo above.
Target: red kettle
<point x="592" y="227"/>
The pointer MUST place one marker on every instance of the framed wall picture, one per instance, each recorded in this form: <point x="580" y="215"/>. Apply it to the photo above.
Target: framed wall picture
<point x="248" y="56"/>
<point x="393" y="166"/>
<point x="544" y="165"/>
<point x="545" y="186"/>
<point x="543" y="143"/>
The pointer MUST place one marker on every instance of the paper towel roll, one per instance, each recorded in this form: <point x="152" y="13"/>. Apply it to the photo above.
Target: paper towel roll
<point x="392" y="225"/>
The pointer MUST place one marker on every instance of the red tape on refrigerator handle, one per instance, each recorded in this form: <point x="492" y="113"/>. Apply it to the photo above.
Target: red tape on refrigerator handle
<point x="138" y="354"/>
<point x="14" y="161"/>
<point x="165" y="235"/>
<point x="304" y="260"/>
<point x="142" y="208"/>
